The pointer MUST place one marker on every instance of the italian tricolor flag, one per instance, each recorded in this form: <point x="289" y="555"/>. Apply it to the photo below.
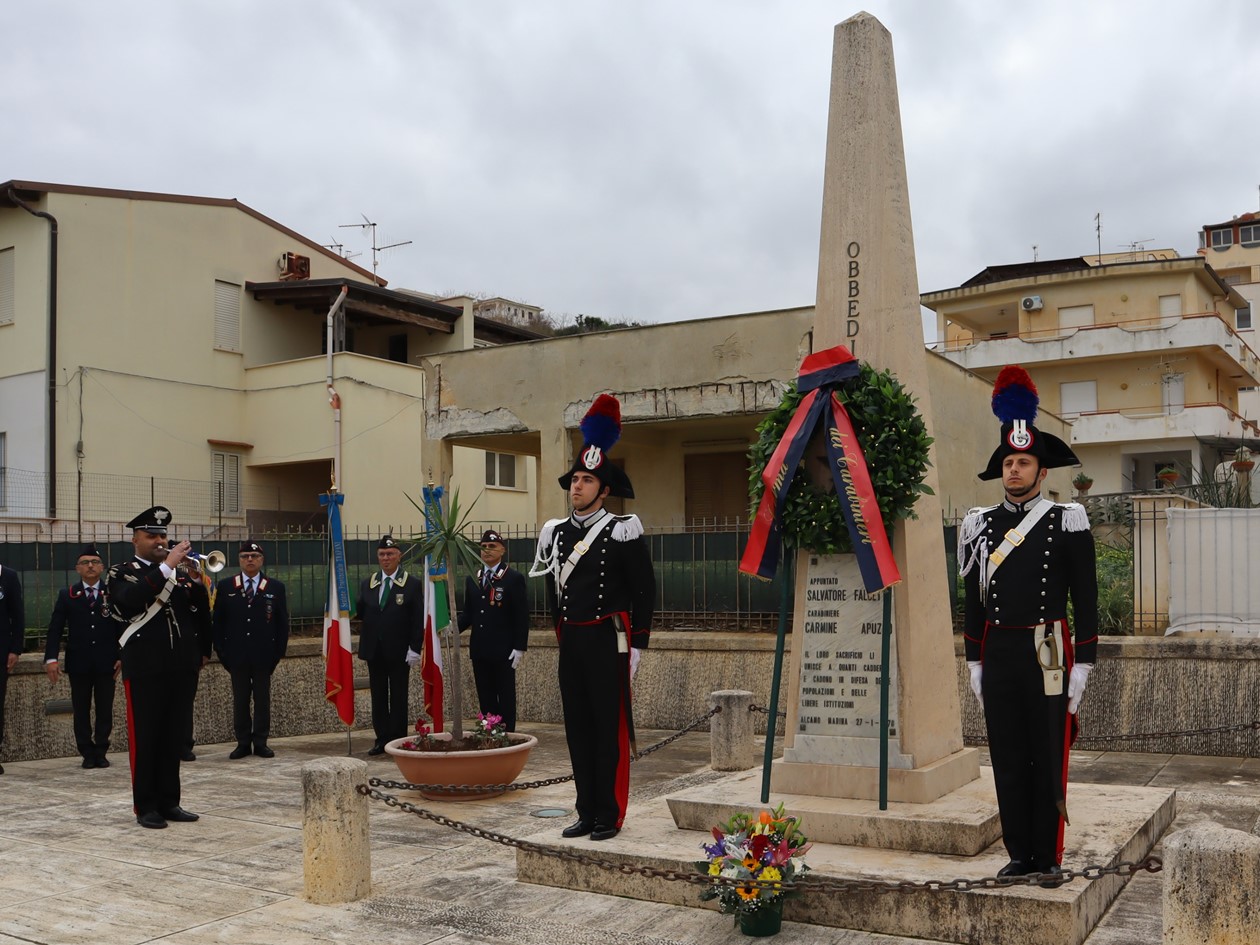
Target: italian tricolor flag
<point x="437" y="614"/>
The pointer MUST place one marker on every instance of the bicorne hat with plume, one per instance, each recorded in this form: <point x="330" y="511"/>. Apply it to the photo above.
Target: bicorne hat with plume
<point x="1015" y="404"/>
<point x="601" y="428"/>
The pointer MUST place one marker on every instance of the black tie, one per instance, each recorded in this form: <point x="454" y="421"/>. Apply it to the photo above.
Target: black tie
<point x="91" y="596"/>
<point x="485" y="578"/>
<point x="249" y="590"/>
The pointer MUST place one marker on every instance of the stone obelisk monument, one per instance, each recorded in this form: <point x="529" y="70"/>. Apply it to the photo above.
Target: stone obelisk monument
<point x="868" y="299"/>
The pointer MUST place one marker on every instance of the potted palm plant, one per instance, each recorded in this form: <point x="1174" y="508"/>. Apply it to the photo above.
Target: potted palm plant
<point x="487" y="755"/>
<point x="1168" y="474"/>
<point x="1082" y="482"/>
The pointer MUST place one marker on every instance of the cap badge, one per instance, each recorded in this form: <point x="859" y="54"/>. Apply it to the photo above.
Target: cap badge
<point x="592" y="457"/>
<point x="1019" y="438"/>
<point x="160" y="516"/>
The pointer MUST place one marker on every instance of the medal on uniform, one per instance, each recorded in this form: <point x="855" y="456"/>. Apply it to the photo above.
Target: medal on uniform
<point x="398" y="599"/>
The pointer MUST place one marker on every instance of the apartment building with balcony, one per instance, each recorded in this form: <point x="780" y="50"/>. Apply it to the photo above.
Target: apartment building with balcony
<point x="172" y="348"/>
<point x="1141" y="353"/>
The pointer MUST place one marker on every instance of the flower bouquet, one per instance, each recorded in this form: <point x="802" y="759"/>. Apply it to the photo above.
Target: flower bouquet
<point x="767" y="848"/>
<point x="488" y="732"/>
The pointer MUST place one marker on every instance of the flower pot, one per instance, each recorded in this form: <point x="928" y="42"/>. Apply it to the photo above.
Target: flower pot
<point x="767" y="920"/>
<point x="481" y="766"/>
<point x="1243" y="465"/>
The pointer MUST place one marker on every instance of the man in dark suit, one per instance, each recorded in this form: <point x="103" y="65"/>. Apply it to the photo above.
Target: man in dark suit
<point x="92" y="656"/>
<point x="497" y="609"/>
<point x="391" y="636"/>
<point x="164" y="611"/>
<point x="12" y="632"/>
<point x="251" y="633"/>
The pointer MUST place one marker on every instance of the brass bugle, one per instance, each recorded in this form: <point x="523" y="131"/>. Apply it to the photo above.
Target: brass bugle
<point x="213" y="563"/>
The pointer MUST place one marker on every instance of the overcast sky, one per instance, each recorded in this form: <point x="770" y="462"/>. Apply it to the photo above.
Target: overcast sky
<point x="651" y="160"/>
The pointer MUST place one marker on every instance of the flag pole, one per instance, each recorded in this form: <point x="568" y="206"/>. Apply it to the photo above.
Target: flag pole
<point x="334" y="498"/>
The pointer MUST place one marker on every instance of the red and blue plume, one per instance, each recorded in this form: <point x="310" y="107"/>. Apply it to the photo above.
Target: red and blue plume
<point x="602" y="424"/>
<point x="1014" y="395"/>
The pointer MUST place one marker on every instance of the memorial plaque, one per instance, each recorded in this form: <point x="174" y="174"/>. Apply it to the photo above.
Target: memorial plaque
<point x="838" y="699"/>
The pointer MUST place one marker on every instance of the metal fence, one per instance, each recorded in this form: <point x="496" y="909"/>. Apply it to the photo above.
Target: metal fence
<point x="698" y="585"/>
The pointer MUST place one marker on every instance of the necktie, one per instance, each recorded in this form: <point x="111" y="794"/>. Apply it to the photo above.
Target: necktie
<point x="249" y="590"/>
<point x="91" y="595"/>
<point x="385" y="586"/>
<point x="485" y="578"/>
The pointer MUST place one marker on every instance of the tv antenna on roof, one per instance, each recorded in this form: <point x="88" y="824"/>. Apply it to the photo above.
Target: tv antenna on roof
<point x="339" y="249"/>
<point x="371" y="227"/>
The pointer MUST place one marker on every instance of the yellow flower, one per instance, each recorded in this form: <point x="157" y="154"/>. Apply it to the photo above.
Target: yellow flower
<point x="715" y="867"/>
<point x="750" y="863"/>
<point x="747" y="892"/>
<point x="771" y="874"/>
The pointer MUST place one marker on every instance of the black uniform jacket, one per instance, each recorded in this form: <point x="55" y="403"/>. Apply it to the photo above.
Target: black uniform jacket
<point x="251" y="633"/>
<point x="388" y="632"/>
<point x="614" y="576"/>
<point x="498" y="614"/>
<point x="177" y="637"/>
<point x="12" y="613"/>
<point x="92" y="640"/>
<point x="1054" y="562"/>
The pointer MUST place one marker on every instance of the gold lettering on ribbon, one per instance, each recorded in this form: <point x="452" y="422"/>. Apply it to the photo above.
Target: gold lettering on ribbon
<point x="843" y="447"/>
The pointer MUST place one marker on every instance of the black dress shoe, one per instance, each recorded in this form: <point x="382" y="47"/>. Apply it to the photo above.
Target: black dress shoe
<point x="1" y="769"/>
<point x="262" y="751"/>
<point x="102" y="761"/>
<point x="603" y="832"/>
<point x="579" y="828"/>
<point x="376" y="750"/>
<point x="153" y="820"/>
<point x="240" y="751"/>
<point x="187" y="755"/>
<point x="89" y="762"/>
<point x="1016" y="868"/>
<point x="180" y="815"/>
<point x="1054" y="879"/>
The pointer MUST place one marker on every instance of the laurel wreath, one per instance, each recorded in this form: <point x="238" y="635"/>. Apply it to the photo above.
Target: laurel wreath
<point x="894" y="440"/>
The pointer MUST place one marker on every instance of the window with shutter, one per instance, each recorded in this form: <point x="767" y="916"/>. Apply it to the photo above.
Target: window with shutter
<point x="8" y="287"/>
<point x="225" y="483"/>
<point x="227" y="316"/>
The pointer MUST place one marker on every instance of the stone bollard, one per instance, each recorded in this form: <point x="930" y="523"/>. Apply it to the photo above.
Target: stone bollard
<point x="336" y="857"/>
<point x="731" y="731"/>
<point x="1211" y="886"/>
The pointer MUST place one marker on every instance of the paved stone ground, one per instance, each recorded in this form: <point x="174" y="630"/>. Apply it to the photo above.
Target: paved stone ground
<point x="75" y="867"/>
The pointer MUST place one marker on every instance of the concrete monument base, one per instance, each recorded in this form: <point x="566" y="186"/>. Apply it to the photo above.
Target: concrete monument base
<point x="907" y="785"/>
<point x="962" y="823"/>
<point x="1110" y="824"/>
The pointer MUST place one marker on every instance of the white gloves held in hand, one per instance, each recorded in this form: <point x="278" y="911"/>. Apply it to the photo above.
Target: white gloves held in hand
<point x="1076" y="685"/>
<point x="412" y="657"/>
<point x="515" y="658"/>
<point x="976" y="669"/>
<point x="636" y="654"/>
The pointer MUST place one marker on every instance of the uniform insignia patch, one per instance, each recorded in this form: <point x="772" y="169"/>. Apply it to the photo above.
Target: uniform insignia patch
<point x="592" y="457"/>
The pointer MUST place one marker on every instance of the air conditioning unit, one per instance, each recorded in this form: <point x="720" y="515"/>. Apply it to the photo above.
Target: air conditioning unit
<point x="1031" y="303"/>
<point x="294" y="267"/>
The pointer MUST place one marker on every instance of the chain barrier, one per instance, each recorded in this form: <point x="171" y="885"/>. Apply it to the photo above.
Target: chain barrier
<point x="1139" y="736"/>
<point x="544" y="782"/>
<point x="1151" y="864"/>
<point x="753" y="707"/>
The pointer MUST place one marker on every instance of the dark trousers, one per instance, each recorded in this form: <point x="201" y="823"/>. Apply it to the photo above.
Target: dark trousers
<point x="251" y="682"/>
<point x="496" y="689"/>
<point x="388" y="679"/>
<point x="593" y="687"/>
<point x="85" y="690"/>
<point x="1027" y="746"/>
<point x="159" y="719"/>
<point x="4" y="691"/>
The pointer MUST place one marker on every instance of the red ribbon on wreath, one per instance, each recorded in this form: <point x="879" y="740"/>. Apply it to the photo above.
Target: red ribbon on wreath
<point x="817" y="378"/>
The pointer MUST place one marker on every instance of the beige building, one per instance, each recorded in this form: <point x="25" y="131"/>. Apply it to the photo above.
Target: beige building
<point x="1232" y="248"/>
<point x="1142" y="354"/>
<point x="179" y="355"/>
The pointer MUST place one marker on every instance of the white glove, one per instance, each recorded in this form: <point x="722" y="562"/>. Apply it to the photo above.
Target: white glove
<point x="412" y="657"/>
<point x="1076" y="685"/>
<point x="515" y="658"/>
<point x="636" y="654"/>
<point x="977" y="670"/>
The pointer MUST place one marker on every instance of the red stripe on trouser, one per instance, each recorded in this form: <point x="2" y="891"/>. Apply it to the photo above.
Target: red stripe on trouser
<point x="621" y="787"/>
<point x="131" y="739"/>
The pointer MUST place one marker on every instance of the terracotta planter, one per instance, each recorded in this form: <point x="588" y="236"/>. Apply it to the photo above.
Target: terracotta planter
<point x="1244" y="465"/>
<point x="484" y="766"/>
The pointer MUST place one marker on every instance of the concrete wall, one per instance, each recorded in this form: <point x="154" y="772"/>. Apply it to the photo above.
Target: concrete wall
<point x="1140" y="685"/>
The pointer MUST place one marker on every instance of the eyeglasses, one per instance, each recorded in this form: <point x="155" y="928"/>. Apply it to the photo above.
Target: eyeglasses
<point x="90" y="561"/>
<point x="249" y="554"/>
